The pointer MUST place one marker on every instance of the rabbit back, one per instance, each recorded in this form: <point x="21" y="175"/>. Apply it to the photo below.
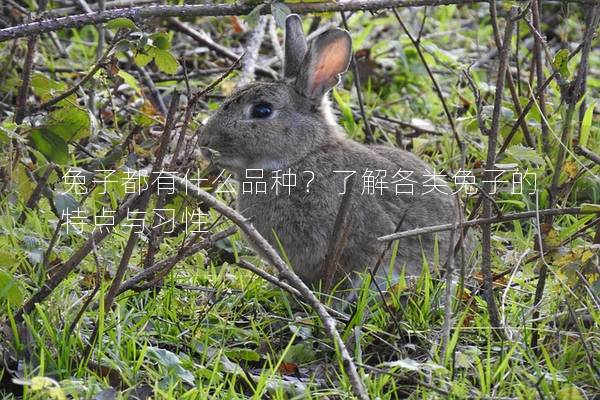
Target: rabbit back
<point x="300" y="224"/>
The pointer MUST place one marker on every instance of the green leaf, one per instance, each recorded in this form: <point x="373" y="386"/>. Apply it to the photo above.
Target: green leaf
<point x="161" y="40"/>
<point x="523" y="153"/>
<point x="164" y="357"/>
<point x="348" y="117"/>
<point x="590" y="208"/>
<point x="130" y="80"/>
<point x="142" y="59"/>
<point x="252" y="17"/>
<point x="46" y="89"/>
<point x="280" y="11"/>
<point x="64" y="203"/>
<point x="10" y="289"/>
<point x="123" y="45"/>
<point x="561" y="62"/>
<point x="47" y="388"/>
<point x="52" y="146"/>
<point x="184" y="375"/>
<point x="165" y="61"/>
<point x="172" y="362"/>
<point x="569" y="392"/>
<point x="242" y="354"/>
<point x="70" y="123"/>
<point x="586" y="125"/>
<point x="119" y="23"/>
<point x="301" y="353"/>
<point x="7" y="258"/>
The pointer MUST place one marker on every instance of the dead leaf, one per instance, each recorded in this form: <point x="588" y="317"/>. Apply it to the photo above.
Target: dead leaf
<point x="288" y="368"/>
<point x="570" y="169"/>
<point x="237" y="24"/>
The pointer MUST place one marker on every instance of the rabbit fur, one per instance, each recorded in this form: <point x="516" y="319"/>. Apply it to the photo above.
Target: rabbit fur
<point x="300" y="134"/>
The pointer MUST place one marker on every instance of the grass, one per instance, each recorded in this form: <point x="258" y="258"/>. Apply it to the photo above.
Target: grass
<point x="242" y="337"/>
<point x="214" y="330"/>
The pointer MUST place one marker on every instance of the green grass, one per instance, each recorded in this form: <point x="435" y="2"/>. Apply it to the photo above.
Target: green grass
<point x="214" y="330"/>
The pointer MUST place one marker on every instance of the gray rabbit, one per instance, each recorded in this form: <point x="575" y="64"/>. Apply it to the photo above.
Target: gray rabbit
<point x="266" y="129"/>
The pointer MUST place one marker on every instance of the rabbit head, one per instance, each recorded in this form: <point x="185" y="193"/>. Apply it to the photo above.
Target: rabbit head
<point x="271" y="125"/>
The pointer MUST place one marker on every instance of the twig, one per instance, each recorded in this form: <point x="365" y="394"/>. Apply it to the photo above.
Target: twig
<point x="141" y="13"/>
<point x="369" y="138"/>
<point x="53" y="240"/>
<point x="37" y="192"/>
<point x="190" y="107"/>
<point x="204" y="39"/>
<point x="520" y="120"/>
<point x="58" y="12"/>
<point x="285" y="286"/>
<point x="418" y="130"/>
<point x="590" y="155"/>
<point x="538" y="60"/>
<point x="273" y="257"/>
<point x="151" y="86"/>
<point x="275" y="40"/>
<point x="591" y="20"/>
<point x="163" y="267"/>
<point x="589" y="354"/>
<point x="509" y="79"/>
<point x="436" y="86"/>
<point x="156" y="236"/>
<point x="90" y="297"/>
<point x="99" y="64"/>
<point x="268" y="277"/>
<point x="571" y="98"/>
<point x="252" y="48"/>
<point x="486" y="262"/>
<point x="492" y="220"/>
<point x="446" y="327"/>
<point x="389" y="245"/>
<point x="532" y="102"/>
<point x="25" y="76"/>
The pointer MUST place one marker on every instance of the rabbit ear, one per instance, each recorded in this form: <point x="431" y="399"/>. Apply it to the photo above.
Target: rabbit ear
<point x="328" y="57"/>
<point x="295" y="46"/>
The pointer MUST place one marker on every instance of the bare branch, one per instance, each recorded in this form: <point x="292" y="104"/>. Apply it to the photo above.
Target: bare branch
<point x="369" y="138"/>
<point x="205" y="40"/>
<point x="252" y="47"/>
<point x="590" y="155"/>
<point x="140" y="13"/>
<point x="436" y="86"/>
<point x="492" y="220"/>
<point x="486" y="262"/>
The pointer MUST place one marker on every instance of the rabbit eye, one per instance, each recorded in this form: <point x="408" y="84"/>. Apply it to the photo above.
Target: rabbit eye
<point x="261" y="110"/>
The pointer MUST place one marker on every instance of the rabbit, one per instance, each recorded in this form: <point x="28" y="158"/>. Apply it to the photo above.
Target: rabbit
<point x="288" y="126"/>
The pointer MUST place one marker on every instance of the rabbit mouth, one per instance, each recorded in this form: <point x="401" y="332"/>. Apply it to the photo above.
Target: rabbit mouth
<point x="220" y="160"/>
<point x="209" y="154"/>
